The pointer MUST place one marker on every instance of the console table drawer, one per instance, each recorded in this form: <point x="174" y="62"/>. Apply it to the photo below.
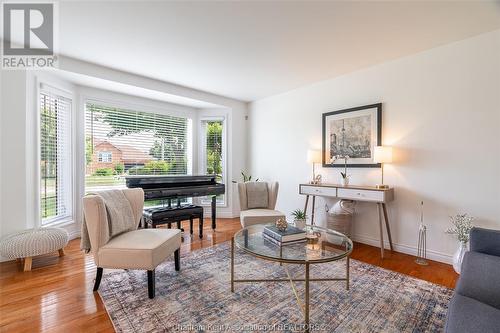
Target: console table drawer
<point x="318" y="190"/>
<point x="365" y="195"/>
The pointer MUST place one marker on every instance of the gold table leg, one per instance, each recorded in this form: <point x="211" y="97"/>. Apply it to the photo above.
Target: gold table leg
<point x="299" y="302"/>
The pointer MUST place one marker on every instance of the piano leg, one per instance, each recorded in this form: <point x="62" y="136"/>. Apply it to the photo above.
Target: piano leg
<point x="214" y="203"/>
<point x="200" y="226"/>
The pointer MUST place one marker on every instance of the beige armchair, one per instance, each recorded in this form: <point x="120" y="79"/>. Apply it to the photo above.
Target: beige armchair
<point x="257" y="203"/>
<point x="142" y="249"/>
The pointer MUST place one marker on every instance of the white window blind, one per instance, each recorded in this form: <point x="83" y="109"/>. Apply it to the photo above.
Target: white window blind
<point x="135" y="142"/>
<point x="55" y="157"/>
<point x="214" y="151"/>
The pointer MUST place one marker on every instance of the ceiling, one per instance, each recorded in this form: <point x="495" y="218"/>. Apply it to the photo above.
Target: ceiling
<point x="251" y="50"/>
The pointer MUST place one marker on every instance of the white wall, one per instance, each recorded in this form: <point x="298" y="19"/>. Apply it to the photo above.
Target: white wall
<point x="13" y="136"/>
<point x="441" y="113"/>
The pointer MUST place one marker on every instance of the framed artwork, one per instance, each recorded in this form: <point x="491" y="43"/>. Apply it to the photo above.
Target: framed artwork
<point x="352" y="132"/>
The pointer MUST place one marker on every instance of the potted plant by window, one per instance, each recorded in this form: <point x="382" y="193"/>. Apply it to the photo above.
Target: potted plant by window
<point x="246" y="178"/>
<point x="299" y="218"/>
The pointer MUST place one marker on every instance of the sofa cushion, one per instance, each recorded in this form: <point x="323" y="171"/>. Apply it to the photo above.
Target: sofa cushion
<point x="139" y="249"/>
<point x="466" y="315"/>
<point x="485" y="241"/>
<point x="259" y="216"/>
<point x="257" y="195"/>
<point x="480" y="278"/>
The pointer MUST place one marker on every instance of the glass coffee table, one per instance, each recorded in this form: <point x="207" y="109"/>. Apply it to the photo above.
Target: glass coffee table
<point x="323" y="245"/>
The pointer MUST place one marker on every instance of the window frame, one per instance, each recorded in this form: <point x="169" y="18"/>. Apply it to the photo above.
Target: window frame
<point x="202" y="158"/>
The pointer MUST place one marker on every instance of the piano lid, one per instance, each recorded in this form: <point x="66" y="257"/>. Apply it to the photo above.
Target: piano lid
<point x="162" y="181"/>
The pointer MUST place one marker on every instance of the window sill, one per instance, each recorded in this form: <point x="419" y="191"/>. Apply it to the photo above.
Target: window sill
<point x="59" y="222"/>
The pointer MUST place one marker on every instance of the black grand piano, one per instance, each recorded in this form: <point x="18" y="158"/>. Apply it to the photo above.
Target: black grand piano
<point x="178" y="187"/>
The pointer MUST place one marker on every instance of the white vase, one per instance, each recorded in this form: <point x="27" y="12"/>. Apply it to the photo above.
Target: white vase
<point x="459" y="256"/>
<point x="344" y="181"/>
<point x="300" y="223"/>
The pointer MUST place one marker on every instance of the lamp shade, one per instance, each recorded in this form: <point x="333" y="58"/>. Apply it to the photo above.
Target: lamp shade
<point x="313" y="156"/>
<point x="383" y="154"/>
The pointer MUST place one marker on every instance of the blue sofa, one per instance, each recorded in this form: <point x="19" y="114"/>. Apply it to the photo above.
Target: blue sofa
<point x="475" y="305"/>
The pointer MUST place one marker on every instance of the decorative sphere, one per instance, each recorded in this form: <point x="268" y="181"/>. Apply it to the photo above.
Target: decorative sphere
<point x="281" y="224"/>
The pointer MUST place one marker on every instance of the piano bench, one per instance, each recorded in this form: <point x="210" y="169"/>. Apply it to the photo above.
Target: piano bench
<point x="156" y="216"/>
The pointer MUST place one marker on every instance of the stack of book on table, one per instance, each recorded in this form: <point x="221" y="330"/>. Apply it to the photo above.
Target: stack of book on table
<point x="291" y="235"/>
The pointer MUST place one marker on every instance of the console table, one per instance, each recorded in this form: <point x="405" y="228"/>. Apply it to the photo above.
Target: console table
<point x="356" y="193"/>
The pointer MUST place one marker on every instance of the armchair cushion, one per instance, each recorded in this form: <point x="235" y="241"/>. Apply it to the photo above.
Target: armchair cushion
<point x="480" y="278"/>
<point x="259" y="216"/>
<point x="139" y="249"/>
<point x="257" y="195"/>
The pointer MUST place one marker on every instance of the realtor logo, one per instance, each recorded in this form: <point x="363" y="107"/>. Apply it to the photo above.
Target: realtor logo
<point x="28" y="35"/>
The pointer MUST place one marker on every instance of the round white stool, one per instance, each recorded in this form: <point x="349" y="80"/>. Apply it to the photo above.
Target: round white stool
<point x="33" y="242"/>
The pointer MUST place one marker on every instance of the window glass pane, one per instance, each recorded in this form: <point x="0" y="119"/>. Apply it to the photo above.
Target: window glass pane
<point x="55" y="157"/>
<point x="122" y="142"/>
<point x="214" y="152"/>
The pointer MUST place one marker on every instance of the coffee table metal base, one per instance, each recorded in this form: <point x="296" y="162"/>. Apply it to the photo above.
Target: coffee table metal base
<point x="307" y="279"/>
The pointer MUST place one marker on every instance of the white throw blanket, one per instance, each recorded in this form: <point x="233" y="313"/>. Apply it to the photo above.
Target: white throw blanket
<point x="120" y="216"/>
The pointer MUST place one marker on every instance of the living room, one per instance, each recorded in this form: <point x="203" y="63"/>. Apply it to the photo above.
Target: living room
<point x="250" y="166"/>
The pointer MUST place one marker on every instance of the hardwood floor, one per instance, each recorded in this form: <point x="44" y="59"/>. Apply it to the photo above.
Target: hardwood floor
<point x="56" y="296"/>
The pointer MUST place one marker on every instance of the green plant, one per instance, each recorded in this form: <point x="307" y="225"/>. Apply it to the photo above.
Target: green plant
<point x="119" y="168"/>
<point x="103" y="172"/>
<point x="344" y="175"/>
<point x="157" y="167"/>
<point x="299" y="214"/>
<point x="151" y="168"/>
<point x="137" y="170"/>
<point x="89" y="150"/>
<point x="246" y="178"/>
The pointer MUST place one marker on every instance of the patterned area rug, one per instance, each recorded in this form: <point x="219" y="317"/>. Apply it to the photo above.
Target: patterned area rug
<point x="198" y="298"/>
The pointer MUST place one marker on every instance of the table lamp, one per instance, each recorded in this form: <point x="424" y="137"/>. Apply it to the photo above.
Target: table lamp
<point x="313" y="156"/>
<point x="382" y="154"/>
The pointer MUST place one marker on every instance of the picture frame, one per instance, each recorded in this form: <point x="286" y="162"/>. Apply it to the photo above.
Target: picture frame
<point x="354" y="132"/>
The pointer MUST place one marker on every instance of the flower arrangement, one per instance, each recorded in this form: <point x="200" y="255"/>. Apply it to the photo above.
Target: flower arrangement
<point x="345" y="176"/>
<point x="462" y="224"/>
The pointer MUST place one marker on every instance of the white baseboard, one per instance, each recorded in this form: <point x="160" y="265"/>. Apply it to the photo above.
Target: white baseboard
<point x="74" y="234"/>
<point x="432" y="255"/>
<point x="222" y="215"/>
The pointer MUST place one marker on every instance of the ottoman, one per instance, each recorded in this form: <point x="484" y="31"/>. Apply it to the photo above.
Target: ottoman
<point x="33" y="242"/>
